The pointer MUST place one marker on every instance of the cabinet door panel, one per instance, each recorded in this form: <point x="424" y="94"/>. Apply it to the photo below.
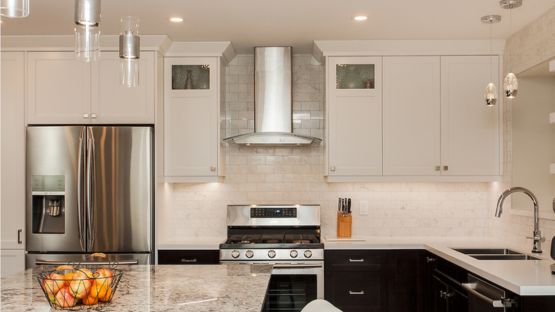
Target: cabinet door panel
<point x="470" y="130"/>
<point x="191" y="126"/>
<point x="411" y="115"/>
<point x="12" y="207"/>
<point x="13" y="262"/>
<point x="58" y="88"/>
<point x="355" y="121"/>
<point x="114" y="103"/>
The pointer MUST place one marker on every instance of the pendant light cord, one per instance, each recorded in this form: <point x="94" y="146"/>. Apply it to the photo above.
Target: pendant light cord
<point x="491" y="52"/>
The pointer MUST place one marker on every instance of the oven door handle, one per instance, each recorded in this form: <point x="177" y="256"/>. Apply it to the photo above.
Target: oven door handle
<point x="297" y="266"/>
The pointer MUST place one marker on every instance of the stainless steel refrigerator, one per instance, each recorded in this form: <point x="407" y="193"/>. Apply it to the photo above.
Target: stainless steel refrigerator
<point x="89" y="189"/>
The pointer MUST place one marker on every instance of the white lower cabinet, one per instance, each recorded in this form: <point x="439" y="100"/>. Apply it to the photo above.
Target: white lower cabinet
<point x="12" y="201"/>
<point x="11" y="262"/>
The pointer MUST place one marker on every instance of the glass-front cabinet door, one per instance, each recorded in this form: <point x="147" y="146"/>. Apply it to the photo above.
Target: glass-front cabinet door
<point x="192" y="76"/>
<point x="354" y="116"/>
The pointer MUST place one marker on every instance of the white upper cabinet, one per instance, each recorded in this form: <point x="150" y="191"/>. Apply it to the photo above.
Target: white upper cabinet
<point x="64" y="90"/>
<point x="192" y="119"/>
<point x="12" y="207"/>
<point x="470" y="136"/>
<point x="411" y="115"/>
<point x="58" y="88"/>
<point x="354" y="116"/>
<point x="113" y="102"/>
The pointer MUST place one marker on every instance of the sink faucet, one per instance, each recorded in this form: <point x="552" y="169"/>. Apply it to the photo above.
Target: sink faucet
<point x="537" y="235"/>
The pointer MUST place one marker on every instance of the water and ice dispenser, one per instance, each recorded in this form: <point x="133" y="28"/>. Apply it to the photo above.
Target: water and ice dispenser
<point x="48" y="195"/>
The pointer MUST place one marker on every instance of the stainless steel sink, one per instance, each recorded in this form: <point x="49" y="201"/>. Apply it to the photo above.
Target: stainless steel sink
<point x="487" y="251"/>
<point x="504" y="257"/>
<point x="494" y="254"/>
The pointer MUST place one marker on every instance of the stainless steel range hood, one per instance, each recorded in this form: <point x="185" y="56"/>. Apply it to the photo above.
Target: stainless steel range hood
<point x="273" y="118"/>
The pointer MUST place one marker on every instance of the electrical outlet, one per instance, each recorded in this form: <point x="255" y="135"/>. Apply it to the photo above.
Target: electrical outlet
<point x="363" y="208"/>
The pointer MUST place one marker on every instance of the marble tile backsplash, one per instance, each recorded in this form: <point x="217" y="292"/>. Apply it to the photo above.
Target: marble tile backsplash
<point x="295" y="175"/>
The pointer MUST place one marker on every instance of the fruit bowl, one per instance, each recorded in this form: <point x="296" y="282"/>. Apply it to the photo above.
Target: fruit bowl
<point x="76" y="288"/>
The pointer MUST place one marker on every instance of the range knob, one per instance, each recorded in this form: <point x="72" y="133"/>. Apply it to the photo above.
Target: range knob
<point x="307" y="253"/>
<point x="249" y="253"/>
<point x="235" y="254"/>
<point x="271" y="253"/>
<point x="294" y="253"/>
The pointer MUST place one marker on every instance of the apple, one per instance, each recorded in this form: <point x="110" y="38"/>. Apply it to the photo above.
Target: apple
<point x="65" y="299"/>
<point x="90" y="300"/>
<point x="51" y="287"/>
<point x="107" y="296"/>
<point x="104" y="276"/>
<point x="99" y="289"/>
<point x="58" y="279"/>
<point x="80" y="285"/>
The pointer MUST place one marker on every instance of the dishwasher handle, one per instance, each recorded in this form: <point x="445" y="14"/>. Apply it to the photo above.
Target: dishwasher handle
<point x="496" y="303"/>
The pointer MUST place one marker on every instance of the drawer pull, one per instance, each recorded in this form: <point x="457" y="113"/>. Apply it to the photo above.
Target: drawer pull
<point x="356" y="292"/>
<point x="356" y="260"/>
<point x="183" y="260"/>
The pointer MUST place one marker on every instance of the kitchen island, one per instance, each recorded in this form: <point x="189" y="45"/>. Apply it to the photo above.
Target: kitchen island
<point x="159" y="288"/>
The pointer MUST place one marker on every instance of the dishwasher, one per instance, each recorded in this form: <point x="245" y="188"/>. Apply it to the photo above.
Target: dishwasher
<point x="485" y="297"/>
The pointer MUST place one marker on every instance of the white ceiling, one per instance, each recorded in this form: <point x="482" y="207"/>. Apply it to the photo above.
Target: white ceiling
<point x="287" y="22"/>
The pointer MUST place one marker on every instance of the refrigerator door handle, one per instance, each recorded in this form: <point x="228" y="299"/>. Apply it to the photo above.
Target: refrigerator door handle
<point x="80" y="189"/>
<point x="90" y="178"/>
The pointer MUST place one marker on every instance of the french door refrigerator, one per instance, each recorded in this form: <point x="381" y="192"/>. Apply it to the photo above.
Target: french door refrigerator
<point x="89" y="189"/>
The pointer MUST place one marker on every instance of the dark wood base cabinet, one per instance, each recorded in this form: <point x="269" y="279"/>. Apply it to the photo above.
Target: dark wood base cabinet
<point x="409" y="281"/>
<point x="188" y="256"/>
<point x="374" y="280"/>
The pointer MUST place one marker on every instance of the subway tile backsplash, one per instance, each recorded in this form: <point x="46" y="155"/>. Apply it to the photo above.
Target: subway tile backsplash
<point x="295" y="175"/>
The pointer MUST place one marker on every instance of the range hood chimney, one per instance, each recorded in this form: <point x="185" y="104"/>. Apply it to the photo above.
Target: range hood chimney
<point x="273" y="101"/>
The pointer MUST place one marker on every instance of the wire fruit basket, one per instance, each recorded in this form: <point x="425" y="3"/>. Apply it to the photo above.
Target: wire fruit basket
<point x="77" y="287"/>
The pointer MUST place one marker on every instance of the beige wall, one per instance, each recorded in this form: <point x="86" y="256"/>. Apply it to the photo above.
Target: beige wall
<point x="530" y="46"/>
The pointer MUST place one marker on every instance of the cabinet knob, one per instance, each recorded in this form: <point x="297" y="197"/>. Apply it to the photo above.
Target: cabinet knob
<point x="85" y="115"/>
<point x="93" y="115"/>
<point x="445" y="168"/>
<point x="332" y="168"/>
<point x="438" y="168"/>
<point x="212" y="168"/>
<point x="430" y="259"/>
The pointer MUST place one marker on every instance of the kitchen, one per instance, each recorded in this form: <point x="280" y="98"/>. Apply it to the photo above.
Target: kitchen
<point x="406" y="211"/>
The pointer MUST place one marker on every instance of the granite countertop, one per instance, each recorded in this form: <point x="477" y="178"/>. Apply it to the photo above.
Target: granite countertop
<point x="160" y="288"/>
<point x="523" y="277"/>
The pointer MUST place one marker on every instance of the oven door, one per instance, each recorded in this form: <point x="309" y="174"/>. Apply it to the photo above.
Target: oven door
<point x="293" y="286"/>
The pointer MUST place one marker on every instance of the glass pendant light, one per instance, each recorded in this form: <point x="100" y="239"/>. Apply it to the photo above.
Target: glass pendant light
<point x="510" y="83"/>
<point x="87" y="33"/>
<point x="490" y="93"/>
<point x="14" y="8"/>
<point x="129" y="51"/>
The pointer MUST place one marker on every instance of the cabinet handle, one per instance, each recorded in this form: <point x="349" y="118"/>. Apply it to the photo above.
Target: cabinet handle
<point x="430" y="259"/>
<point x="356" y="260"/>
<point x="438" y="168"/>
<point x="93" y="115"/>
<point x="85" y="115"/>
<point x="332" y="168"/>
<point x="19" y="241"/>
<point x="361" y="292"/>
<point x="183" y="260"/>
<point x="212" y="168"/>
<point x="445" y="168"/>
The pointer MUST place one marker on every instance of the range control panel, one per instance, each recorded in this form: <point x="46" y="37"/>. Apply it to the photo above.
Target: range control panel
<point x="271" y="212"/>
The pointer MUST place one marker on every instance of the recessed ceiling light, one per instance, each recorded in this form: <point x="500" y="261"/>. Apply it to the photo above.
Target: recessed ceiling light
<point x="360" y="18"/>
<point x="176" y="19"/>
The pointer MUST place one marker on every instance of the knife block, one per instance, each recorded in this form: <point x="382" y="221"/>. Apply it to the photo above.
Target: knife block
<point x="344" y="225"/>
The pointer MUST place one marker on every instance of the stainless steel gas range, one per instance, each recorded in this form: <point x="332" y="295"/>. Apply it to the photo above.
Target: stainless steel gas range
<point x="287" y="236"/>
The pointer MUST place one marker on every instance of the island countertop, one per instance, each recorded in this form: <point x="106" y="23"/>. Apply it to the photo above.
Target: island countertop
<point x="160" y="288"/>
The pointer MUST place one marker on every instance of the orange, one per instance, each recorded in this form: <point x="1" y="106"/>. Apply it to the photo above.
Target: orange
<point x="99" y="289"/>
<point x="90" y="300"/>
<point x="107" y="296"/>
